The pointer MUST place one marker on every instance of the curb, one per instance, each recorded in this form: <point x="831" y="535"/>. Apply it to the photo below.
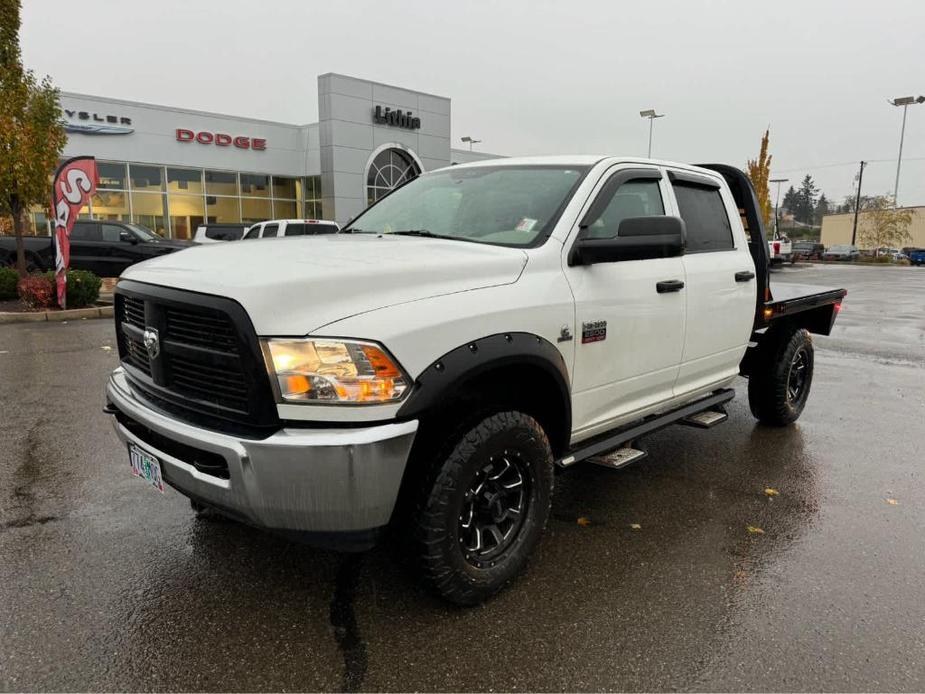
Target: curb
<point x="70" y="314"/>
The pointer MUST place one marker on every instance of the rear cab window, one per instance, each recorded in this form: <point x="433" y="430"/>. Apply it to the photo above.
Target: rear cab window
<point x="309" y="228"/>
<point x="704" y="213"/>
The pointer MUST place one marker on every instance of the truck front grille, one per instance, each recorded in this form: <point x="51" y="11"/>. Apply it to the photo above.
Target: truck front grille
<point x="203" y="362"/>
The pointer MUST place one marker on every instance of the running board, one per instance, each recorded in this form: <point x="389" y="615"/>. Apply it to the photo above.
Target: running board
<point x="611" y="440"/>
<point x="705" y="420"/>
<point x="619" y="458"/>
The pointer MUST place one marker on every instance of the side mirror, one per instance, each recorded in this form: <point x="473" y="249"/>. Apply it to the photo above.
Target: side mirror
<point x="638" y="238"/>
<point x="126" y="237"/>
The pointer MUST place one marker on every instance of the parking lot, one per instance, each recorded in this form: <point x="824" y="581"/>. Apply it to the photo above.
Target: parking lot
<point x="684" y="573"/>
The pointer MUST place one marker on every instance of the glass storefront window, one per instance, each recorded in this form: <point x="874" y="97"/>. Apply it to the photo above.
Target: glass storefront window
<point x="112" y="174"/>
<point x="313" y="209"/>
<point x="186" y="214"/>
<point x="221" y="183"/>
<point x="285" y="187"/>
<point x="110" y="205"/>
<point x="186" y="181"/>
<point x="255" y="210"/>
<point x="255" y="185"/>
<point x="285" y="209"/>
<point x="147" y="178"/>
<point x="222" y="210"/>
<point x="148" y="209"/>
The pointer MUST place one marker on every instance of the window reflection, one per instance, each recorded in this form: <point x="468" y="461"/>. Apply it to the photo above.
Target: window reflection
<point x="147" y="178"/>
<point x="112" y="174"/>
<point x="184" y="181"/>
<point x="255" y="185"/>
<point x="221" y="183"/>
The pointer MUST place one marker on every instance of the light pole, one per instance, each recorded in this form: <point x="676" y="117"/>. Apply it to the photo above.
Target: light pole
<point x="778" y="181"/>
<point x="470" y="140"/>
<point x="651" y="115"/>
<point x="905" y="102"/>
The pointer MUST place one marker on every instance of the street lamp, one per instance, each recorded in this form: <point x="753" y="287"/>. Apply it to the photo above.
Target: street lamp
<point x="651" y="115"/>
<point x="778" y="181"/>
<point x="905" y="102"/>
<point x="470" y="141"/>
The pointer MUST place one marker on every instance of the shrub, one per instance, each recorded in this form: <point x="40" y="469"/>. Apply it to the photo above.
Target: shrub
<point x="36" y="292"/>
<point x="9" y="278"/>
<point x="83" y="287"/>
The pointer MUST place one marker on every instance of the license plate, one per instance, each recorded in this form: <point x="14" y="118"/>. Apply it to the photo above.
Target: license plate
<point x="146" y="466"/>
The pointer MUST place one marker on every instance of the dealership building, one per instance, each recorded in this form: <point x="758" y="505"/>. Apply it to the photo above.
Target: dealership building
<point x="171" y="168"/>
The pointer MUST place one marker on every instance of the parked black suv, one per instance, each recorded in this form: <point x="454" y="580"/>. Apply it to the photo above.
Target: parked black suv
<point x="100" y="246"/>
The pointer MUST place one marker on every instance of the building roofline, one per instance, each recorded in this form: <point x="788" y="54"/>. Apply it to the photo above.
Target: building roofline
<point x="384" y="84"/>
<point x="193" y="112"/>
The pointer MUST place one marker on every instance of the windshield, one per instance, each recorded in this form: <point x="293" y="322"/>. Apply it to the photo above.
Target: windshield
<point x="143" y="233"/>
<point x="501" y="205"/>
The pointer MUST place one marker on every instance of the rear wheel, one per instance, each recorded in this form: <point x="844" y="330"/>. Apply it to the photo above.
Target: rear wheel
<point x="482" y="511"/>
<point x="781" y="378"/>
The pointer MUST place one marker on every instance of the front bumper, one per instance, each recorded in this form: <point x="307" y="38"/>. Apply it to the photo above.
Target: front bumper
<point x="320" y="483"/>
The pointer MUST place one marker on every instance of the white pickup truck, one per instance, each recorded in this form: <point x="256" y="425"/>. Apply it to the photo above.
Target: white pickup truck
<point x="780" y="251"/>
<point x="434" y="364"/>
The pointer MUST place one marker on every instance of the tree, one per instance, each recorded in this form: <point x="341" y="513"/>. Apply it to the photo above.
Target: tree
<point x="822" y="208"/>
<point x="790" y="200"/>
<point x="759" y="171"/>
<point x="805" y="203"/>
<point x="884" y="225"/>
<point x="31" y="134"/>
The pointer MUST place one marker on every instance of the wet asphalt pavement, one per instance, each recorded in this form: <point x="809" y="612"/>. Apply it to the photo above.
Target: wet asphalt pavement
<point x="107" y="585"/>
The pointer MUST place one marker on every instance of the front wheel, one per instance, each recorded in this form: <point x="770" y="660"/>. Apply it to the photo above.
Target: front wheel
<point x="779" y="385"/>
<point x="483" y="510"/>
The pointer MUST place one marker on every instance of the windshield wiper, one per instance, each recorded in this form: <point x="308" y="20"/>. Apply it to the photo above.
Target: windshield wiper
<point x="352" y="230"/>
<point x="423" y="232"/>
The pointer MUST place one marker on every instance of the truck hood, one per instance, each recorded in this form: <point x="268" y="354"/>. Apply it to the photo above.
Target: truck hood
<point x="294" y="286"/>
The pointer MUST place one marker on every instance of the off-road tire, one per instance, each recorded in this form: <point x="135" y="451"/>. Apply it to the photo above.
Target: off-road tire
<point x="781" y="377"/>
<point x="447" y="567"/>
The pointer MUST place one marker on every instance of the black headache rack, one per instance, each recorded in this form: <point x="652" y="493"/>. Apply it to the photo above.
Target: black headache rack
<point x="206" y="368"/>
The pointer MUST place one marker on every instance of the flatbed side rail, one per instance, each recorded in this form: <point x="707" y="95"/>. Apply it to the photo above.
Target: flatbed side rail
<point x="815" y="312"/>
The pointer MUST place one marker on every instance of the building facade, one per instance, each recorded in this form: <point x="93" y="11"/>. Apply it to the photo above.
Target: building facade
<point x="837" y="229"/>
<point x="173" y="168"/>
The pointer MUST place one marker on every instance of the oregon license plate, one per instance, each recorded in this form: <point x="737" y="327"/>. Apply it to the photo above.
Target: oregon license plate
<point x="146" y="466"/>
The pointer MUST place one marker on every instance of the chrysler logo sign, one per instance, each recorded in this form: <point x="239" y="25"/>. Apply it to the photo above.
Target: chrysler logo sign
<point x="399" y="119"/>
<point x="89" y="123"/>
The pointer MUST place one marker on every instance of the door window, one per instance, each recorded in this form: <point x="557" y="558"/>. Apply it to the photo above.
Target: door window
<point x="85" y="232"/>
<point x="705" y="217"/>
<point x="270" y="230"/>
<point x="635" y="198"/>
<point x="112" y="233"/>
<point x="253" y="232"/>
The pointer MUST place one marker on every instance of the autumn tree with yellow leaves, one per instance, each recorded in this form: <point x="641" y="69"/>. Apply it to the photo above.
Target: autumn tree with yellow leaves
<point x="31" y="133"/>
<point x="759" y="171"/>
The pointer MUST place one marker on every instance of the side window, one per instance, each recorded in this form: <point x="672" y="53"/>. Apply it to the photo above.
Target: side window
<point x="112" y="233"/>
<point x="704" y="214"/>
<point x="270" y="230"/>
<point x="85" y="232"/>
<point x="253" y="232"/>
<point x="635" y="198"/>
<point x="295" y="230"/>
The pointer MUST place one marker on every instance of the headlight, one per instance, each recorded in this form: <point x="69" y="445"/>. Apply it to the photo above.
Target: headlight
<point x="334" y="371"/>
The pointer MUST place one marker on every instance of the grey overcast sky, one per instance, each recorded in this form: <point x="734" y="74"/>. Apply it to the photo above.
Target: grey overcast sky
<point x="536" y="77"/>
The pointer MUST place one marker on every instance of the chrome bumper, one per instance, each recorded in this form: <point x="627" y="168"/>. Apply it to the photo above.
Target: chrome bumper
<point x="297" y="480"/>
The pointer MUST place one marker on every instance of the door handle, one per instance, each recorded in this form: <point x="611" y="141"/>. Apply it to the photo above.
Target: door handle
<point x="669" y="286"/>
<point x="745" y="276"/>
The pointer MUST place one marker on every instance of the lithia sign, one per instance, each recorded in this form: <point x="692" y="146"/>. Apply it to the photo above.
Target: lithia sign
<point x="399" y="118"/>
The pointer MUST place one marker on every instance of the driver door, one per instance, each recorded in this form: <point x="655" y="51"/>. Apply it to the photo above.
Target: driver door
<point x="629" y="333"/>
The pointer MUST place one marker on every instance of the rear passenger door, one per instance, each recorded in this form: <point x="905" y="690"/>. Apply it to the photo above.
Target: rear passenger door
<point x="719" y="280"/>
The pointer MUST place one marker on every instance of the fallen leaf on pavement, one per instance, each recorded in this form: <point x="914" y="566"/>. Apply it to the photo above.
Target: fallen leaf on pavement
<point x="107" y="348"/>
<point x="753" y="530"/>
<point x="635" y="526"/>
<point x="584" y="522"/>
<point x="770" y="491"/>
<point x="892" y="502"/>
